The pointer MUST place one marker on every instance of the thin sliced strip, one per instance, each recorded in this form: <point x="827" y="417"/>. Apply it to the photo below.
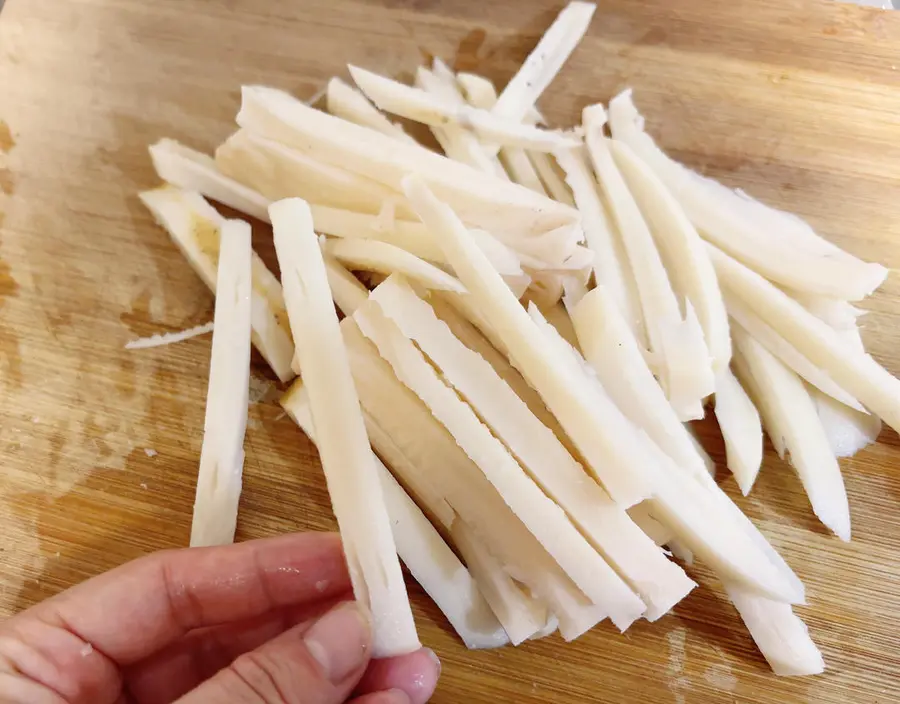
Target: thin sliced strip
<point x="604" y="438"/>
<point x="435" y="566"/>
<point x="545" y="61"/>
<point x="730" y="509"/>
<point x="684" y="369"/>
<point x="472" y="338"/>
<point x="277" y="172"/>
<point x="481" y="94"/>
<point x="194" y="171"/>
<point x="458" y="142"/>
<point x="558" y="317"/>
<point x="447" y="135"/>
<point x="779" y="231"/>
<point x="551" y="250"/>
<point x="682" y="250"/>
<point x="408" y="235"/>
<point x="348" y="103"/>
<point x="615" y="356"/>
<point x="683" y="505"/>
<point x="485" y="201"/>
<point x="704" y="525"/>
<point x="772" y="244"/>
<point x="741" y="429"/>
<point x="428" y="558"/>
<point x="708" y="461"/>
<point x="169" y="338"/>
<point x="792" y="422"/>
<point x="852" y="369"/>
<point x="553" y="181"/>
<point x="194" y="225"/>
<point x="521" y="615"/>
<point x="521" y="170"/>
<point x="848" y="431"/>
<point x="745" y="316"/>
<point x="347" y="461"/>
<point x="433" y="456"/>
<point x="610" y="262"/>
<point x="780" y="635"/>
<point x="347" y="291"/>
<point x="387" y="408"/>
<point x="660" y="583"/>
<point x="222" y="454"/>
<point x="642" y="515"/>
<point x="467" y="307"/>
<point x="415" y="104"/>
<point x="418" y="486"/>
<point x="544" y="519"/>
<point x="841" y="315"/>
<point x="688" y="366"/>
<point x="384" y="258"/>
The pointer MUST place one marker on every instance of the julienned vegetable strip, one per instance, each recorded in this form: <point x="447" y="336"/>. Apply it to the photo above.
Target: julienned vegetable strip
<point x="487" y="201"/>
<point x="348" y="103"/>
<point x="481" y="94"/>
<point x="692" y="515"/>
<point x="343" y="445"/>
<point x="603" y="436"/>
<point x="458" y="142"/>
<point x="741" y="430"/>
<point x="793" y="423"/>
<point x="422" y="549"/>
<point x="387" y="259"/>
<point x="610" y="264"/>
<point x="194" y="225"/>
<point x="660" y="583"/>
<point x="745" y="316"/>
<point x="545" y="61"/>
<point x="277" y="171"/>
<point x="876" y="388"/>
<point x="418" y="105"/>
<point x="780" y="635"/>
<point x="681" y="248"/>
<point x="543" y="518"/>
<point x="616" y="358"/>
<point x="194" y="171"/>
<point x="677" y="344"/>
<point x="222" y="455"/>
<point x="410" y="428"/>
<point x="789" y="254"/>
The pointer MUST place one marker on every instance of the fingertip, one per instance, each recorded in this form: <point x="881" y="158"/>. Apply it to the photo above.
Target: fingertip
<point x="393" y="696"/>
<point x="415" y="674"/>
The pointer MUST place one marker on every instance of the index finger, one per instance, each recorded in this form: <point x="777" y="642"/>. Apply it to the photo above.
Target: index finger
<point x="134" y="610"/>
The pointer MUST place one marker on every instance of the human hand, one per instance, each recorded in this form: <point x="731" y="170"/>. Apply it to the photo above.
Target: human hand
<point x="263" y="622"/>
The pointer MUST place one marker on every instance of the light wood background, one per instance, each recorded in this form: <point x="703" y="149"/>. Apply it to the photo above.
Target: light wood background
<point x="797" y="102"/>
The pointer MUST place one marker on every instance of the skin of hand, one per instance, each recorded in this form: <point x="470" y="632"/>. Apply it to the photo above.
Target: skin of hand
<point x="262" y="622"/>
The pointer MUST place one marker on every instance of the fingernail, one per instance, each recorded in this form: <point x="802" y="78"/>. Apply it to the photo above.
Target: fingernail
<point x="435" y="659"/>
<point x="395" y="696"/>
<point x="339" y="641"/>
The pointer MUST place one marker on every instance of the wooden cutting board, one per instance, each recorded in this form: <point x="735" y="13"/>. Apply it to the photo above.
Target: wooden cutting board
<point x="797" y="102"/>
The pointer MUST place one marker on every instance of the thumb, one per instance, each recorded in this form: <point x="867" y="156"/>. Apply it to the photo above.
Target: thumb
<point x="318" y="663"/>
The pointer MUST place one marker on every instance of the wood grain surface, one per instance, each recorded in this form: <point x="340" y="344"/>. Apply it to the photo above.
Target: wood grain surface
<point x="797" y="102"/>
